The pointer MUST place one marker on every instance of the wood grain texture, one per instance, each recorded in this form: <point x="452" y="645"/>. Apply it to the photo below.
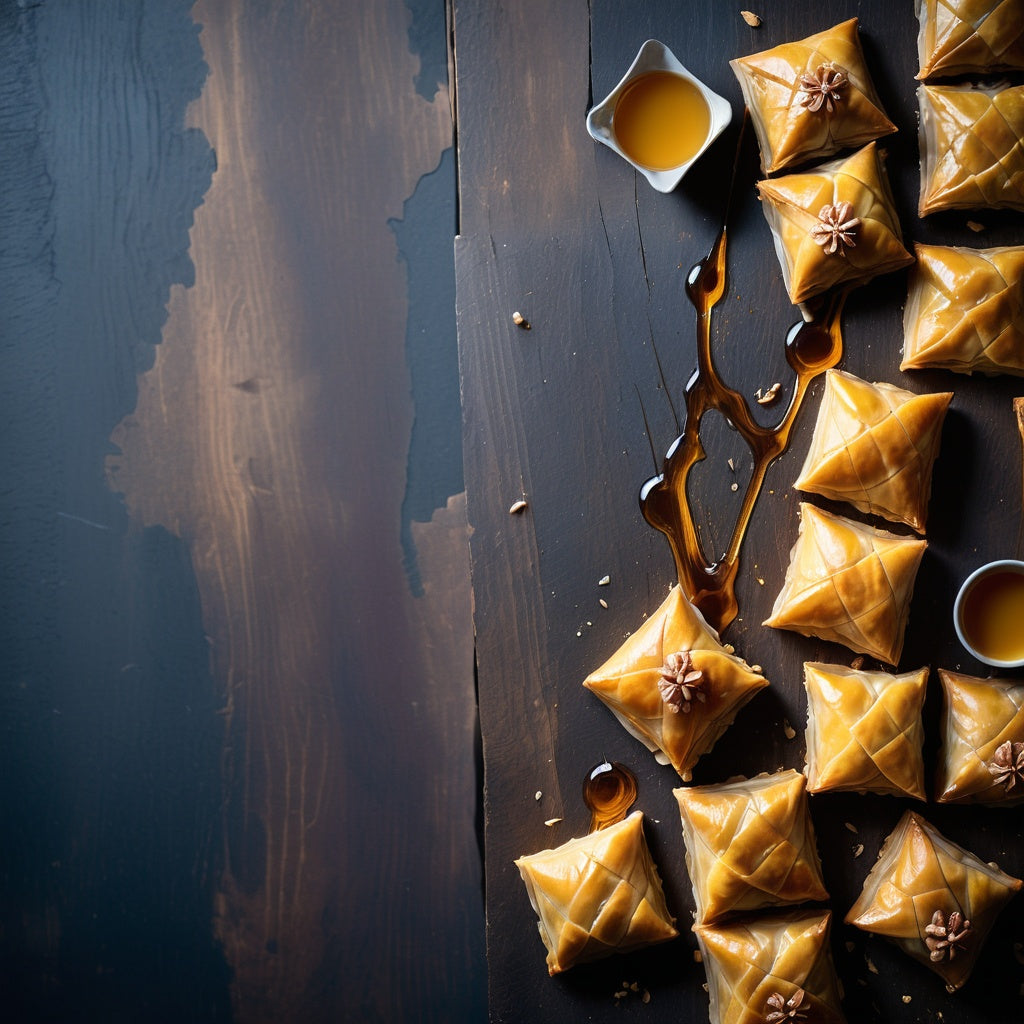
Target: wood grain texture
<point x="563" y="230"/>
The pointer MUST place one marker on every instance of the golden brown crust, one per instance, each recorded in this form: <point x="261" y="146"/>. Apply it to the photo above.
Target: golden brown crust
<point x="921" y="873"/>
<point x="792" y="125"/>
<point x="849" y="583"/>
<point x="965" y="310"/>
<point x="979" y="717"/>
<point x="874" y="446"/>
<point x="597" y="895"/>
<point x="755" y="959"/>
<point x="971" y="153"/>
<point x="628" y="682"/>
<point x="750" y="844"/>
<point x="794" y="205"/>
<point x="864" y="730"/>
<point x="969" y="37"/>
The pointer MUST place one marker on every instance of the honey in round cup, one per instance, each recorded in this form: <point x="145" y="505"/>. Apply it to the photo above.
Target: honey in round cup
<point x="989" y="614"/>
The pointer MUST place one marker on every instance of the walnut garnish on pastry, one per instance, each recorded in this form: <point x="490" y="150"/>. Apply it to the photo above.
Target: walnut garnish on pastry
<point x="965" y="310"/>
<point x="934" y="899"/>
<point x="811" y="98"/>
<point x="771" y="968"/>
<point x="597" y="895"/>
<point x="843" y="208"/>
<point x="982" y="755"/>
<point x="674" y="685"/>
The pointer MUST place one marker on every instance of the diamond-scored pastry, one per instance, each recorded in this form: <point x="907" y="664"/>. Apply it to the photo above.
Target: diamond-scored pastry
<point x="965" y="310"/>
<point x="849" y="583"/>
<point x="874" y="446"/>
<point x="982" y="755"/>
<point x="772" y="968"/>
<point x="971" y="151"/>
<point x="674" y="686"/>
<point x="969" y="36"/>
<point x="597" y="895"/>
<point x="934" y="899"/>
<point x="811" y="98"/>
<point x="750" y="844"/>
<point x="864" y="730"/>
<point x="834" y="224"/>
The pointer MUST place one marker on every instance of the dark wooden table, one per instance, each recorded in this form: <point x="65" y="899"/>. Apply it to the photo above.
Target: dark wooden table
<point x="562" y="230"/>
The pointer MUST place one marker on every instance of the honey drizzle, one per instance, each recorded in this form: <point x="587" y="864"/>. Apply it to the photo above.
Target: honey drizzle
<point x="812" y="346"/>
<point x="609" y="791"/>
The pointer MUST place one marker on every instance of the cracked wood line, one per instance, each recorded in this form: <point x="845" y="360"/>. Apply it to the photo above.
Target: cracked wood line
<point x="254" y="436"/>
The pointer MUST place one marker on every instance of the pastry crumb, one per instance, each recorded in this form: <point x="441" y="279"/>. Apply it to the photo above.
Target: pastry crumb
<point x="537" y="795"/>
<point x="751" y="19"/>
<point x="769" y="395"/>
<point x="520" y="321"/>
<point x="516" y="507"/>
<point x="788" y="729"/>
<point x="906" y="999"/>
<point x="858" y="663"/>
<point x="602" y="602"/>
<point x="732" y="465"/>
<point x="760" y="580"/>
<point x="645" y="997"/>
<point x="604" y="581"/>
<point x="698" y="956"/>
<point x="850" y="827"/>
<point x="871" y="965"/>
<point x="552" y="821"/>
<point x="858" y="849"/>
<point x="975" y="226"/>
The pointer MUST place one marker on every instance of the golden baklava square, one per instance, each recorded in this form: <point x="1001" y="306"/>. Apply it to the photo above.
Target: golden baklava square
<point x="934" y="899"/>
<point x="957" y="37"/>
<point x="772" y="968"/>
<point x="597" y="895"/>
<point x="810" y="98"/>
<point x="864" y="730"/>
<point x="874" y="446"/>
<point x="972" y="156"/>
<point x="849" y="583"/>
<point x="834" y="224"/>
<point x="750" y="844"/>
<point x="982" y="755"/>
<point x="674" y="685"/>
<point x="965" y="310"/>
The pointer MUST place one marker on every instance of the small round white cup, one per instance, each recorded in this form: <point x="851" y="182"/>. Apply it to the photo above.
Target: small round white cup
<point x="655" y="56"/>
<point x="1002" y="565"/>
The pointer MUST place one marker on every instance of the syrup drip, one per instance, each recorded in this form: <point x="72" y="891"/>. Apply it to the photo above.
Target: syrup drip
<point x="812" y="347"/>
<point x="609" y="791"/>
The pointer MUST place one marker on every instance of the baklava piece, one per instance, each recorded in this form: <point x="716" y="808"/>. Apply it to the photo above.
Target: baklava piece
<point x="849" y="583"/>
<point x="811" y="98"/>
<point x="597" y="895"/>
<point x="959" y="37"/>
<point x="750" y="844"/>
<point x="874" y="446"/>
<point x="771" y="969"/>
<point x="674" y="686"/>
<point x="864" y="730"/>
<point x="965" y="310"/>
<point x="934" y="899"/>
<point x="834" y="224"/>
<point x="971" y="153"/>
<point x="982" y="756"/>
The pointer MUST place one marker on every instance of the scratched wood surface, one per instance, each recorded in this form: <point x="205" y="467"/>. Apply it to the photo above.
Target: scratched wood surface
<point x="563" y="231"/>
<point x="237" y="707"/>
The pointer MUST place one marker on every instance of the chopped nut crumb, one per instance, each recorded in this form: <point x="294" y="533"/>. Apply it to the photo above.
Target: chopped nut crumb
<point x="520" y="321"/>
<point x="634" y="986"/>
<point x="975" y="226"/>
<point x="871" y="965"/>
<point x="698" y="956"/>
<point x="515" y="507"/>
<point x="645" y="997"/>
<point x="769" y="395"/>
<point x="602" y="602"/>
<point x="734" y="487"/>
<point x="906" y="999"/>
<point x="604" y="581"/>
<point x="858" y="849"/>
<point x="537" y="795"/>
<point x="760" y="581"/>
<point x="858" y="663"/>
<point x="621" y="994"/>
<point x="788" y="729"/>
<point x="552" y="821"/>
<point x="750" y="18"/>
<point x="850" y="827"/>
<point x="732" y="465"/>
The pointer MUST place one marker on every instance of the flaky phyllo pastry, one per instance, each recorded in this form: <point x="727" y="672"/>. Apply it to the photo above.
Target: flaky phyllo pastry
<point x="834" y="224"/>
<point x="874" y="446"/>
<point x="934" y="899"/>
<point x="811" y="98"/>
<point x="864" y="730"/>
<point x="674" y="686"/>
<point x="965" y="310"/>
<point x="597" y="895"/>
<point x="971" y="151"/>
<point x="771" y="969"/>
<point x="849" y="583"/>
<point x="969" y="36"/>
<point x="750" y="844"/>
<point x="982" y="755"/>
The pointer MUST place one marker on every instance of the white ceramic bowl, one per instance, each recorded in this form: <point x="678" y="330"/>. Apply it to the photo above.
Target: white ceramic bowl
<point x="655" y="56"/>
<point x="1003" y="565"/>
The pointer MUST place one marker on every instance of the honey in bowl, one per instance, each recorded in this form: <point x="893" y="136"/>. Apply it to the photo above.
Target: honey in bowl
<point x="661" y="120"/>
<point x="992" y="615"/>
